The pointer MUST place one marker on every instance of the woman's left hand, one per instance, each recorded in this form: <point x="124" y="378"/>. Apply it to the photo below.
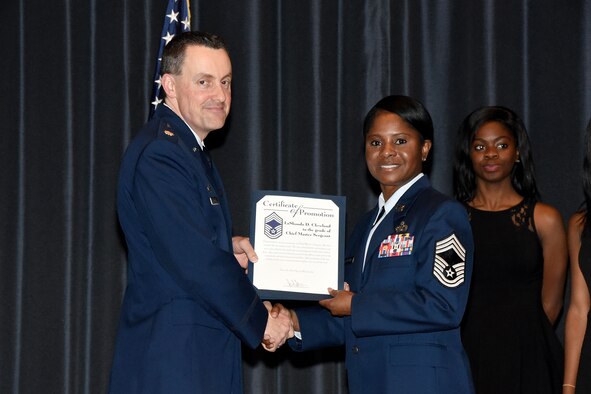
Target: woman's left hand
<point x="340" y="304"/>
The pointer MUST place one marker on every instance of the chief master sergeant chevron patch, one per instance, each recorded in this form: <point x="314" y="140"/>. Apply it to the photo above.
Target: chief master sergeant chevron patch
<point x="450" y="261"/>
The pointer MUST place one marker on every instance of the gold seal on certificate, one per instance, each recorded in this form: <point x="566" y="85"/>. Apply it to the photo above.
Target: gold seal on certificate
<point x="298" y="238"/>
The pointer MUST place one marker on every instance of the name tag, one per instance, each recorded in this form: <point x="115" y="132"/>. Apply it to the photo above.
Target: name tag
<point x="396" y="245"/>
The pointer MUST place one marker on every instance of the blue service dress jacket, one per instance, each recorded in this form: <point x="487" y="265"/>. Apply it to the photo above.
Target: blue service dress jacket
<point x="188" y="304"/>
<point x="403" y="334"/>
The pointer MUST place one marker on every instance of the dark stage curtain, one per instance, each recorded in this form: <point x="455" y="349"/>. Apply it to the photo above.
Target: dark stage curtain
<point x="77" y="76"/>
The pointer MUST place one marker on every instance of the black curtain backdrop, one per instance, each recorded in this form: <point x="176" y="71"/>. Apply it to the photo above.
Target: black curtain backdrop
<point x="77" y="76"/>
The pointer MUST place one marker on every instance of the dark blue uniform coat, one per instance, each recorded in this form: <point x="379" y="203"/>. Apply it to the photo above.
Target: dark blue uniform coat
<point x="187" y="304"/>
<point x="403" y="333"/>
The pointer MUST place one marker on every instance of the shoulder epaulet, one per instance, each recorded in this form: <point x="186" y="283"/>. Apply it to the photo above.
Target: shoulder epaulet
<point x="166" y="132"/>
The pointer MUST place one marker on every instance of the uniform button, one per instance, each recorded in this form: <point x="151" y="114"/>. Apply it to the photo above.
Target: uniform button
<point x="355" y="349"/>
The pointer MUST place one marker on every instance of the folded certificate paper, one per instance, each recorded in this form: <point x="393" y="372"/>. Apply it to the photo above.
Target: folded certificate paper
<point x="299" y="239"/>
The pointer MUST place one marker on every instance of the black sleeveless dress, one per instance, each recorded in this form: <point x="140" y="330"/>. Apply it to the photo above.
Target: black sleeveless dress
<point x="510" y="342"/>
<point x="584" y="374"/>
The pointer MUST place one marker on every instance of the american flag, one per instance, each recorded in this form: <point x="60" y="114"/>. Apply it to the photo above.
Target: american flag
<point x="177" y="19"/>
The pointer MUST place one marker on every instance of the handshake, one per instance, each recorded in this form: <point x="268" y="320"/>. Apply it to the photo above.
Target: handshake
<point x="281" y="324"/>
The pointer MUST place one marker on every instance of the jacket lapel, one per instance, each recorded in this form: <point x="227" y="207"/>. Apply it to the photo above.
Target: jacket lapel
<point x="360" y="245"/>
<point x="209" y="177"/>
<point x="394" y="222"/>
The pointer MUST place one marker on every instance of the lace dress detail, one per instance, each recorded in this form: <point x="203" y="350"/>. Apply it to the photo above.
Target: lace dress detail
<point x="510" y="343"/>
<point x="521" y="218"/>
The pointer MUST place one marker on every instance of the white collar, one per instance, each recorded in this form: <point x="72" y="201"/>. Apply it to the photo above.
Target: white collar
<point x="388" y="205"/>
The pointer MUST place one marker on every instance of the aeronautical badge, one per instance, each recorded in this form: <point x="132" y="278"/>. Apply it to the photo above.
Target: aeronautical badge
<point x="169" y="133"/>
<point x="402" y="227"/>
<point x="273" y="226"/>
<point x="396" y="245"/>
<point x="450" y="261"/>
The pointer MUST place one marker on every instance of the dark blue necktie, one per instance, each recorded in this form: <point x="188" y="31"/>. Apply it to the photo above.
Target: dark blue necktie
<point x="382" y="212"/>
<point x="206" y="157"/>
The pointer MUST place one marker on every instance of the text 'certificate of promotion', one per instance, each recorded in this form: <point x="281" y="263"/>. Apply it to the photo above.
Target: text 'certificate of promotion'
<point x="299" y="241"/>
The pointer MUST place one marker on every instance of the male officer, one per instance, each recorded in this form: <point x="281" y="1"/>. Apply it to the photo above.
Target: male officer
<point x="188" y="304"/>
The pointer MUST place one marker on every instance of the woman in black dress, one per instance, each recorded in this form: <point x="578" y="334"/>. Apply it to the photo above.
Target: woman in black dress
<point x="577" y="339"/>
<point x="520" y="259"/>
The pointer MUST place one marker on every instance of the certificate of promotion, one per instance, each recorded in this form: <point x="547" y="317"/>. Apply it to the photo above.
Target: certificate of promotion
<point x="299" y="239"/>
